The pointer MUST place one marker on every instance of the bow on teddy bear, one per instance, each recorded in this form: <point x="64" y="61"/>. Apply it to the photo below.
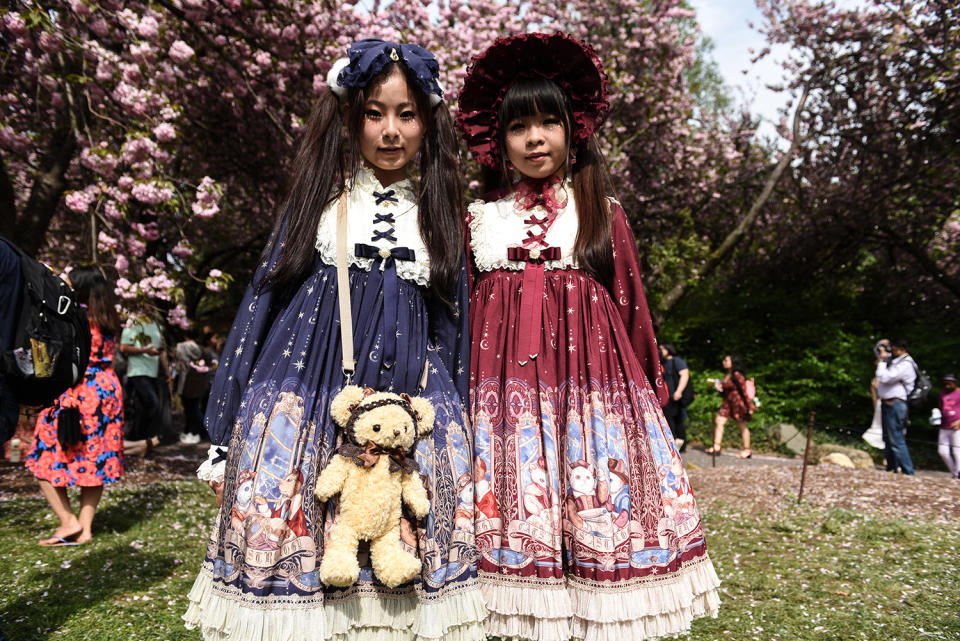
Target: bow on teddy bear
<point x="374" y="475"/>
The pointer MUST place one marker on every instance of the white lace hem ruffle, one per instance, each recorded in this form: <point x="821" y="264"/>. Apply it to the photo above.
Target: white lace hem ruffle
<point x="660" y="607"/>
<point x="458" y="617"/>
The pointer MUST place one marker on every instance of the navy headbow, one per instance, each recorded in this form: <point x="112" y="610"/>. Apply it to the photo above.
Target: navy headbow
<point x="368" y="57"/>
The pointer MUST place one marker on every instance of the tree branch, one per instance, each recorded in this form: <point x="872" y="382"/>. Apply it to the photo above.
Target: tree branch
<point x="730" y="242"/>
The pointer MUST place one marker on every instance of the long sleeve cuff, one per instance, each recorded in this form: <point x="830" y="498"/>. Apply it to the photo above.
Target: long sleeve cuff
<point x="214" y="467"/>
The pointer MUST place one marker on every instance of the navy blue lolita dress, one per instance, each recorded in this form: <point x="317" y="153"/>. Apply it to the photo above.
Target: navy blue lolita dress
<point x="270" y="402"/>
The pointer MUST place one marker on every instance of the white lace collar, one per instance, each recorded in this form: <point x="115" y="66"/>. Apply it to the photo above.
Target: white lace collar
<point x="367" y="181"/>
<point x="497" y="225"/>
<point x="385" y="217"/>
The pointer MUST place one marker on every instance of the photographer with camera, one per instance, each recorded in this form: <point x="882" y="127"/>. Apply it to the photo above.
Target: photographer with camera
<point x="896" y="376"/>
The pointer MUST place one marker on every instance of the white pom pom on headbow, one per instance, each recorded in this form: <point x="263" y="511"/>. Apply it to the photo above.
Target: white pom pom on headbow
<point x="434" y="98"/>
<point x="341" y="92"/>
<point x="339" y="65"/>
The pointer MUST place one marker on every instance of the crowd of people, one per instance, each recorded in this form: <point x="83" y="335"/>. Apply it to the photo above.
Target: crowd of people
<point x="559" y="503"/>
<point x="120" y="405"/>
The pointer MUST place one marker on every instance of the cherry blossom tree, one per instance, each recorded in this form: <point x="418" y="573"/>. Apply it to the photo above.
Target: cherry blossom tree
<point x="878" y="178"/>
<point x="152" y="137"/>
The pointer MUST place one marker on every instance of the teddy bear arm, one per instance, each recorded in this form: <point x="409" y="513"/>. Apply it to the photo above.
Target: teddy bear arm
<point x="332" y="478"/>
<point x="415" y="495"/>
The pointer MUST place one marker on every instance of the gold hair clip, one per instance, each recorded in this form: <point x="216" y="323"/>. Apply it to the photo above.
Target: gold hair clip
<point x="393" y="55"/>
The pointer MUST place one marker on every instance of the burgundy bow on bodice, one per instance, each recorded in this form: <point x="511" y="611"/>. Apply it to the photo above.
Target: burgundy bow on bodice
<point x="551" y="195"/>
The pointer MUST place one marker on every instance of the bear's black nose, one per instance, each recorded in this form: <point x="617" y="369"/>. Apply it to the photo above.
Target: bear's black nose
<point x="396" y="432"/>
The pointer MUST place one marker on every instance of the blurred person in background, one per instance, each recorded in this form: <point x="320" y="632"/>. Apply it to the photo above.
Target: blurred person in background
<point x="10" y="293"/>
<point x="142" y="345"/>
<point x="736" y="405"/>
<point x="896" y="376"/>
<point x="874" y="434"/>
<point x="191" y="382"/>
<point x="677" y="377"/>
<point x="78" y="441"/>
<point x="949" y="442"/>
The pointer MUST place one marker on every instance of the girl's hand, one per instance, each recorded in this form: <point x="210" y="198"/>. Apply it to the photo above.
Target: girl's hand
<point x="955" y="425"/>
<point x="217" y="487"/>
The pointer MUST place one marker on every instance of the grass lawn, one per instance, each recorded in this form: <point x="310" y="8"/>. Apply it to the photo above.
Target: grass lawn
<point x="801" y="574"/>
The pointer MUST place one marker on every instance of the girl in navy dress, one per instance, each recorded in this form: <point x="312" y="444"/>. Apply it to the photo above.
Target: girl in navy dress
<point x="382" y="120"/>
<point x="586" y="525"/>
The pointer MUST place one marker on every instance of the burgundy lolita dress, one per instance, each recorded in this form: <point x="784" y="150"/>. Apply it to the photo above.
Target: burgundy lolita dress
<point x="585" y="521"/>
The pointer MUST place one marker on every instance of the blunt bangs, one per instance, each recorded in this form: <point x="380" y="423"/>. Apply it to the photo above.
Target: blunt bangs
<point x="529" y="96"/>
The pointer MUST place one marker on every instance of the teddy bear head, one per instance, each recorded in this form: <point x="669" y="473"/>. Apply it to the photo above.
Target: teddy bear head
<point x="383" y="418"/>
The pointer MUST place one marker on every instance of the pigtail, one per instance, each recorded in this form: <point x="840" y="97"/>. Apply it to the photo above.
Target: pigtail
<point x="317" y="178"/>
<point x="440" y="202"/>
<point x="592" y="186"/>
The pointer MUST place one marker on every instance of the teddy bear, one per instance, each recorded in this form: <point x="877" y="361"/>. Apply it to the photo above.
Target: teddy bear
<point x="373" y="473"/>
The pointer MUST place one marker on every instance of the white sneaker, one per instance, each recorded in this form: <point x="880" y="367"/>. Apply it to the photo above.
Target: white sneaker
<point x="185" y="438"/>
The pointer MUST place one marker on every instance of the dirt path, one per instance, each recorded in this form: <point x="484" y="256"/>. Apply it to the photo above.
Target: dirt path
<point x="762" y="484"/>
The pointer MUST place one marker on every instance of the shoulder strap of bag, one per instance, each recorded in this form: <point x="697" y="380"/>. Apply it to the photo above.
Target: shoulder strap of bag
<point x="343" y="297"/>
<point x="343" y="290"/>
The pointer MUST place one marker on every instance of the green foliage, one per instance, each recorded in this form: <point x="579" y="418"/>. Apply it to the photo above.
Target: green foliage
<point x="810" y="348"/>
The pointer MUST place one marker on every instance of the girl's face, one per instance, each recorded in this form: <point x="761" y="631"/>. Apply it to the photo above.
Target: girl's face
<point x="392" y="128"/>
<point x="537" y="145"/>
<point x="949" y="386"/>
<point x="727" y="362"/>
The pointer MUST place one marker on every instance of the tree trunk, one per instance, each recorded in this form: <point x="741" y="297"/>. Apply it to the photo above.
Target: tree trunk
<point x="721" y="253"/>
<point x="48" y="186"/>
<point x="8" y="204"/>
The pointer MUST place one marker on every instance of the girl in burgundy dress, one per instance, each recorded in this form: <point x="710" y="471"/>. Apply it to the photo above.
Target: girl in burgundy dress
<point x="585" y="521"/>
<point x="736" y="405"/>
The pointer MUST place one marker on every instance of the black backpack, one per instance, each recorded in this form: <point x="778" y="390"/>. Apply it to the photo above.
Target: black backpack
<point x="917" y="397"/>
<point x="51" y="345"/>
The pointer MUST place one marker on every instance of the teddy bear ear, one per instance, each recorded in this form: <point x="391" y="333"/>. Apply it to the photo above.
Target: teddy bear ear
<point x="425" y="414"/>
<point x="344" y="402"/>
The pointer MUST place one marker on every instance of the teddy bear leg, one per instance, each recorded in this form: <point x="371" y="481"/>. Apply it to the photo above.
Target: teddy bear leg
<point x="339" y="566"/>
<point x="392" y="564"/>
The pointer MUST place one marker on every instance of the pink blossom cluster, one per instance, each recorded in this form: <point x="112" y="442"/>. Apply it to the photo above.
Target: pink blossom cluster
<point x="153" y="192"/>
<point x="80" y="201"/>
<point x="207" y="203"/>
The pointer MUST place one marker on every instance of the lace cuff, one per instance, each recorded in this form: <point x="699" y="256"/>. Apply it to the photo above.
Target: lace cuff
<point x="213" y="468"/>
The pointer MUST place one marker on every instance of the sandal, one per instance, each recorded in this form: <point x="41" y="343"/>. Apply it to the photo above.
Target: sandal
<point x="745" y="454"/>
<point x="59" y="541"/>
<point x="716" y="449"/>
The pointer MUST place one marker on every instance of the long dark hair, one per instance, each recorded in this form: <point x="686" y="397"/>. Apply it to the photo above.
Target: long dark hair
<point x="326" y="158"/>
<point x="736" y="365"/>
<point x="93" y="290"/>
<point x="593" y="247"/>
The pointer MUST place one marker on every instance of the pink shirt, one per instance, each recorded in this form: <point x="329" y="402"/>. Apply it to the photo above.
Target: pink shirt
<point x="950" y="407"/>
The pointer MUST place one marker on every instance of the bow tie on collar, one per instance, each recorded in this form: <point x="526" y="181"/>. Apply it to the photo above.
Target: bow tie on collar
<point x="387" y="196"/>
<point x="549" y="194"/>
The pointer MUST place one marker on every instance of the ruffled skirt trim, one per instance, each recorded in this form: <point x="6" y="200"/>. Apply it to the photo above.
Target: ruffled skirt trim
<point x="457" y="617"/>
<point x="643" y="609"/>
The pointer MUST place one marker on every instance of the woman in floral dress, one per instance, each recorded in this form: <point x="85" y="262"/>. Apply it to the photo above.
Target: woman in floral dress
<point x="93" y="458"/>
